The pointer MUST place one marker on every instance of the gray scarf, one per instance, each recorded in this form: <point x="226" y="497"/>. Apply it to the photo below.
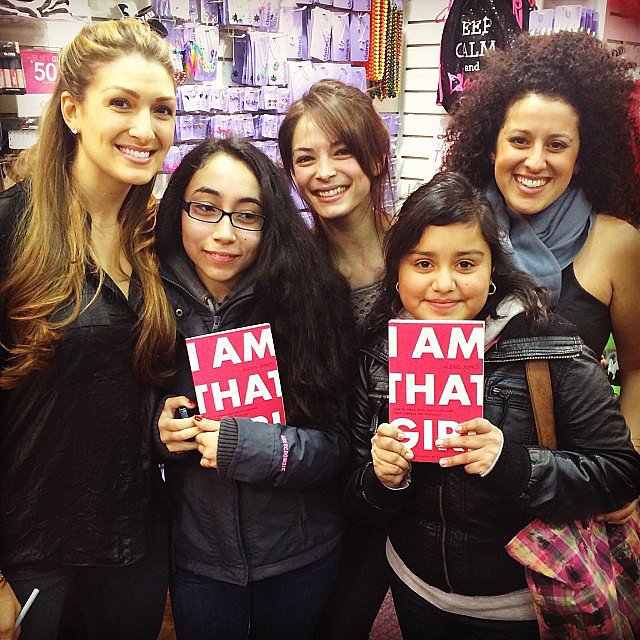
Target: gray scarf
<point x="544" y="243"/>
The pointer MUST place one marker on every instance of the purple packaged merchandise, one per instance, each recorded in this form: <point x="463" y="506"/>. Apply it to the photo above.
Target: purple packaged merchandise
<point x="340" y="37"/>
<point x="319" y="30"/>
<point x="360" y="27"/>
<point x="291" y="28"/>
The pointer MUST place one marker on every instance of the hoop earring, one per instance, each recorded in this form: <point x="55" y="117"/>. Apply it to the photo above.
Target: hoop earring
<point x="74" y="131"/>
<point x="492" y="288"/>
<point x="398" y="287"/>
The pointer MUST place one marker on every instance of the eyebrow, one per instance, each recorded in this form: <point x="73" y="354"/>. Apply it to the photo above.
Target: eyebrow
<point x="136" y="95"/>
<point x="310" y="150"/>
<point x="213" y="192"/>
<point x="551" y="135"/>
<point x="457" y="254"/>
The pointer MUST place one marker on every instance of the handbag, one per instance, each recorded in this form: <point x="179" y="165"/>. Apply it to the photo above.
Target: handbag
<point x="584" y="575"/>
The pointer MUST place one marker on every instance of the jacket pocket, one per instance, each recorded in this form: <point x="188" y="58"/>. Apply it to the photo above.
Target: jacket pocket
<point x="510" y="410"/>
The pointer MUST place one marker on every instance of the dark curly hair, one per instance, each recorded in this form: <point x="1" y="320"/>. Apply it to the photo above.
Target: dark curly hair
<point x="576" y="68"/>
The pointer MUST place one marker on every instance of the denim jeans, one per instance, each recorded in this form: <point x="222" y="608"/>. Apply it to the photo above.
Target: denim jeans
<point x="285" y="607"/>
<point x="420" y="620"/>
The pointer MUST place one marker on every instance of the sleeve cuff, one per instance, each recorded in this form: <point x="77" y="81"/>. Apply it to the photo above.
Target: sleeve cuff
<point x="227" y="444"/>
<point x="380" y="496"/>
<point x="512" y="470"/>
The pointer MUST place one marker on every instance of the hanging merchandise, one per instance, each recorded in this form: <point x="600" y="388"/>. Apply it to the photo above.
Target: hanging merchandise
<point x="378" y="43"/>
<point x="389" y="85"/>
<point x="473" y="28"/>
<point x="33" y="9"/>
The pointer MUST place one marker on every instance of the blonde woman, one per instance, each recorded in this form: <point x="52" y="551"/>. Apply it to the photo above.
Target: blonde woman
<point x="87" y="332"/>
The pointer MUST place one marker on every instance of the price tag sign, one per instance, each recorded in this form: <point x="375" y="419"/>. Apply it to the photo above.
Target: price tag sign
<point x="40" y="70"/>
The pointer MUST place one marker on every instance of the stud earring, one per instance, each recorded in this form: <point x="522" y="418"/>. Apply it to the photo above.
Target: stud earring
<point x="74" y="131"/>
<point x="492" y="288"/>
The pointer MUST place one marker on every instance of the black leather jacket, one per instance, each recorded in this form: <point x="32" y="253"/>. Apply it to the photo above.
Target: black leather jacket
<point x="449" y="527"/>
<point x="76" y="475"/>
<point x="248" y="519"/>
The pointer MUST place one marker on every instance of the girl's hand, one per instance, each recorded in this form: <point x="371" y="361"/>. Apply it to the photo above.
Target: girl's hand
<point x="620" y="516"/>
<point x="390" y="456"/>
<point x="484" y="441"/>
<point x="207" y="441"/>
<point x="9" y="610"/>
<point x="175" y="432"/>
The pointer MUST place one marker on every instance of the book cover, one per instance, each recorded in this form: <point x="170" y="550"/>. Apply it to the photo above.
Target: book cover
<point x="436" y="375"/>
<point x="235" y="374"/>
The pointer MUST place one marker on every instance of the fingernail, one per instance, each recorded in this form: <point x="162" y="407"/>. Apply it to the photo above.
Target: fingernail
<point x="197" y="418"/>
<point x="438" y="443"/>
<point x="192" y="404"/>
<point x="444" y="462"/>
<point x="409" y="455"/>
<point x="401" y="435"/>
<point x="458" y="428"/>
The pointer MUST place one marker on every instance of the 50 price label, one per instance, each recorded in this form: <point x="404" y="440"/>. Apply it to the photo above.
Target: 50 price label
<point x="40" y="70"/>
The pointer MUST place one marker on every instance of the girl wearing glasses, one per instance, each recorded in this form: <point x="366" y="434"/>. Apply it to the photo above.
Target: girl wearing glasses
<point x="257" y="529"/>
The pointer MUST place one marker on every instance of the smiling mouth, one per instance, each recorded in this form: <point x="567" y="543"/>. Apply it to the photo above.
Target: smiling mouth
<point x="443" y="303"/>
<point x="134" y="153"/>
<point x="220" y="258"/>
<point x="532" y="183"/>
<point x="328" y="193"/>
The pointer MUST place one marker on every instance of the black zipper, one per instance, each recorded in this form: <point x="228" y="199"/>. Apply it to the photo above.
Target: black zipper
<point x="444" y="535"/>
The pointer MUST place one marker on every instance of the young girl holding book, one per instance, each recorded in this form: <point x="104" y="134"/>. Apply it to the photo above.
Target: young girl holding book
<point x="449" y="522"/>
<point x="256" y="538"/>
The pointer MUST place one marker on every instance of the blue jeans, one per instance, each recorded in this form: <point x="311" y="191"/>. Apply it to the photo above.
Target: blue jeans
<point x="285" y="607"/>
<point x="420" y="620"/>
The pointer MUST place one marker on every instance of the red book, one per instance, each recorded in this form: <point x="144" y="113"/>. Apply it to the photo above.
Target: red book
<point x="235" y="374"/>
<point x="436" y="374"/>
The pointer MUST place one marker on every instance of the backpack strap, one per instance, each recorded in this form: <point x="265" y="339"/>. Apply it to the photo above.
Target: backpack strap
<point x="541" y="394"/>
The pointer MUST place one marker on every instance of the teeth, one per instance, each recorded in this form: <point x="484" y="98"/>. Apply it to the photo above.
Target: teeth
<point x="527" y="182"/>
<point x="331" y="192"/>
<point x="135" y="154"/>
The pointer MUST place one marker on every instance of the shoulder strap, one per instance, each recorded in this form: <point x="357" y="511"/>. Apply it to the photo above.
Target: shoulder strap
<point x="541" y="394"/>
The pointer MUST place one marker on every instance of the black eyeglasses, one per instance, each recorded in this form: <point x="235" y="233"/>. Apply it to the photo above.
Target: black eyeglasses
<point x="204" y="212"/>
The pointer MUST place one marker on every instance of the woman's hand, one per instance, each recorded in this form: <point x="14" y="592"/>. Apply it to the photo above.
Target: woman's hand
<point x="207" y="442"/>
<point x="175" y="432"/>
<point x="390" y="456"/>
<point x="620" y="516"/>
<point x="9" y="610"/>
<point x="482" y="438"/>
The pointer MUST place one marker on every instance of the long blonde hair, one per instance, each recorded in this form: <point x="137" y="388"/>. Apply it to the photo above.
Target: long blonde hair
<point x="51" y="252"/>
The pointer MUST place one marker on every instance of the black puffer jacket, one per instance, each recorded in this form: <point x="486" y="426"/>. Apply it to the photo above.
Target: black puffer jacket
<point x="449" y="527"/>
<point x="76" y="474"/>
<point x="251" y="518"/>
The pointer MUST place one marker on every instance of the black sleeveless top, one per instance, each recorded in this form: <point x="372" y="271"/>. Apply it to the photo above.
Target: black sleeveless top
<point x="585" y="311"/>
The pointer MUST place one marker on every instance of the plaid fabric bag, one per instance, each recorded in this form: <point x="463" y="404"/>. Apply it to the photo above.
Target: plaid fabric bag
<point x="584" y="575"/>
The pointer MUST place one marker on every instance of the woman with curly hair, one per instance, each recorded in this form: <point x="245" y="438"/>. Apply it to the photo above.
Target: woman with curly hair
<point x="545" y="130"/>
<point x="86" y="333"/>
